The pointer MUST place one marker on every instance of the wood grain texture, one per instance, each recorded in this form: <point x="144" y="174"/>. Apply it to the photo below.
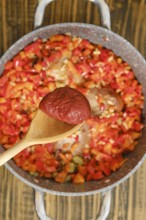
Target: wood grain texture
<point x="129" y="198"/>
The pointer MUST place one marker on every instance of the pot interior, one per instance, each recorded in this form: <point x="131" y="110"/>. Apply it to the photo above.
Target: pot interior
<point x="128" y="53"/>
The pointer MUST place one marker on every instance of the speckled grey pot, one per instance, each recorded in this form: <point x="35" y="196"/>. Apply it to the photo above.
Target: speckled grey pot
<point x="121" y="47"/>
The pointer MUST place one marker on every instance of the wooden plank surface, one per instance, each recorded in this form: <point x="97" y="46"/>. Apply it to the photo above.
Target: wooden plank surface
<point x="129" y="198"/>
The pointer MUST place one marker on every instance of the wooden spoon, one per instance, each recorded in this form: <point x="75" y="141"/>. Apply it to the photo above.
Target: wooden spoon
<point x="43" y="129"/>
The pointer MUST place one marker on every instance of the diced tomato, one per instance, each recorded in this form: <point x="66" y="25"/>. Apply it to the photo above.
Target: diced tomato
<point x="97" y="175"/>
<point x="50" y="148"/>
<point x="82" y="170"/>
<point x="137" y="126"/>
<point x="33" y="47"/>
<point x="90" y="169"/>
<point x="40" y="165"/>
<point x="60" y="178"/>
<point x="78" y="178"/>
<point x="4" y="80"/>
<point x="77" y="52"/>
<point x="104" y="55"/>
<point x="54" y="56"/>
<point x="116" y="163"/>
<point x="83" y="68"/>
<point x="9" y="65"/>
<point x="51" y="169"/>
<point x="40" y="149"/>
<point x="57" y="37"/>
<point x="84" y="44"/>
<point x="105" y="168"/>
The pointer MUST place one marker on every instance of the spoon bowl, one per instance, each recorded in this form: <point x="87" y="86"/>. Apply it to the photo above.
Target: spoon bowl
<point x="43" y="130"/>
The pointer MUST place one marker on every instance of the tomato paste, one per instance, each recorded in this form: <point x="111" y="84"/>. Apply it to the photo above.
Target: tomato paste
<point x="66" y="104"/>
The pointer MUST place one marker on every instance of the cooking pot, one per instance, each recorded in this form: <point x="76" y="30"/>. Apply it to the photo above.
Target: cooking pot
<point x="110" y="40"/>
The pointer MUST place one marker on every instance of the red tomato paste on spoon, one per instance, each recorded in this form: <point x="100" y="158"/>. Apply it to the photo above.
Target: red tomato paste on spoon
<point x="66" y="104"/>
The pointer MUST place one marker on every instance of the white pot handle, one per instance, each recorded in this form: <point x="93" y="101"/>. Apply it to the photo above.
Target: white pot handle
<point x="103" y="8"/>
<point x="104" y="206"/>
<point x="40" y="206"/>
<point x="102" y="215"/>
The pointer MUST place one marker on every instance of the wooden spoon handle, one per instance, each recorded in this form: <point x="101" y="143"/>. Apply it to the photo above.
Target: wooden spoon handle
<point x="17" y="148"/>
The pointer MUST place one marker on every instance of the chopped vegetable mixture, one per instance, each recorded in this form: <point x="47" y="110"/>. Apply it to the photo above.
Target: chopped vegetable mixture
<point x="100" y="146"/>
